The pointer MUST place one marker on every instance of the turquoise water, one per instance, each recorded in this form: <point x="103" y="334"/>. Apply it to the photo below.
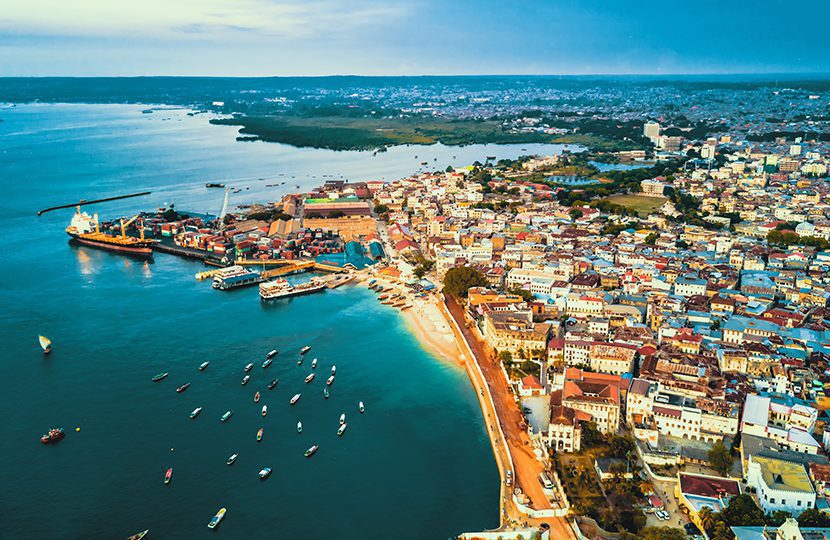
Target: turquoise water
<point x="416" y="465"/>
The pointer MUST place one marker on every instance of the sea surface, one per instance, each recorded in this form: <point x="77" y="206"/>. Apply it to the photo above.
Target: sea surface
<point x="417" y="464"/>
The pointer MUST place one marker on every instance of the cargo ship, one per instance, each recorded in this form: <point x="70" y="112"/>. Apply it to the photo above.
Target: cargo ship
<point x="280" y="288"/>
<point x="87" y="231"/>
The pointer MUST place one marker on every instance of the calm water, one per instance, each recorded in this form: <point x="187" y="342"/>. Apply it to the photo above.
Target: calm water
<point x="416" y="465"/>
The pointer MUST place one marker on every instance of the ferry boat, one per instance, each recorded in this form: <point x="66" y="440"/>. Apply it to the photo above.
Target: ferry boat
<point x="138" y="536"/>
<point x="305" y="349"/>
<point x="295" y="399"/>
<point x="245" y="379"/>
<point x="264" y="410"/>
<point x="342" y="419"/>
<point x="168" y="475"/>
<point x="326" y="393"/>
<point x="256" y="397"/>
<point x="272" y="354"/>
<point x="87" y="231"/>
<point x="280" y="288"/>
<point x="249" y="367"/>
<point x="53" y="435"/>
<point x="160" y="376"/>
<point x="45" y="344"/>
<point x="264" y="473"/>
<point x="310" y="451"/>
<point x="226" y="416"/>
<point x="183" y="387"/>
<point x="195" y="412"/>
<point x="360" y="406"/>
<point x="341" y="429"/>
<point x="299" y="427"/>
<point x="214" y="521"/>
<point x="232" y="459"/>
<point x="267" y="363"/>
<point x="330" y="380"/>
<point x="204" y="365"/>
<point x="273" y="384"/>
<point x="314" y="363"/>
<point x="309" y="378"/>
<point x="259" y="434"/>
<point x="234" y="277"/>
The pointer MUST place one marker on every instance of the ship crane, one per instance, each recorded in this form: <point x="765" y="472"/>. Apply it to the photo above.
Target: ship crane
<point x="128" y="223"/>
<point x="224" y="209"/>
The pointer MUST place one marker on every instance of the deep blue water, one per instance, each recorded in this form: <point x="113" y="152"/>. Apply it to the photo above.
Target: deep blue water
<point x="416" y="465"/>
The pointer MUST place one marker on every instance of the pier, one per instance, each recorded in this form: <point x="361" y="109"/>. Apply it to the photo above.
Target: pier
<point x="83" y="202"/>
<point x="305" y="265"/>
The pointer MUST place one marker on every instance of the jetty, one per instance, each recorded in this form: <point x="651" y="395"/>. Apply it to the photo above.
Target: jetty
<point x="83" y="202"/>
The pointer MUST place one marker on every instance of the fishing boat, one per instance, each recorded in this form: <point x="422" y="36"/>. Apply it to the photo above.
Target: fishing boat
<point x="195" y="412"/>
<point x="299" y="427"/>
<point x="407" y="306"/>
<point x="342" y="419"/>
<point x="333" y="370"/>
<point x="305" y="349"/>
<point x="226" y="416"/>
<point x="204" y="365"/>
<point x="383" y="297"/>
<point x="267" y="363"/>
<point x="249" y="367"/>
<point x="160" y="376"/>
<point x="309" y="378"/>
<point x="326" y="393"/>
<point x="361" y="407"/>
<point x="232" y="459"/>
<point x="183" y="387"/>
<point x="314" y="363"/>
<point x="295" y="399"/>
<point x="264" y="410"/>
<point x="259" y="434"/>
<point x="245" y="379"/>
<point x="214" y="521"/>
<point x="341" y="429"/>
<point x="53" y="435"/>
<point x="264" y="473"/>
<point x="330" y="380"/>
<point x="45" y="344"/>
<point x="300" y="360"/>
<point x="273" y="384"/>
<point x="138" y="536"/>
<point x="168" y="475"/>
<point x="272" y="353"/>
<point x="310" y="451"/>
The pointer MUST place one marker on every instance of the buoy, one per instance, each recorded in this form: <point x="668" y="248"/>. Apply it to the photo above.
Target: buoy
<point x="77" y="429"/>
<point x="172" y="449"/>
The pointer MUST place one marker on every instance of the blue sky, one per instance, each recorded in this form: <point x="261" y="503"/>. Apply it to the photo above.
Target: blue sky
<point x="409" y="37"/>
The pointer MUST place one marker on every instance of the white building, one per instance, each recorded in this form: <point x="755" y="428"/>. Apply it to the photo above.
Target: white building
<point x="780" y="485"/>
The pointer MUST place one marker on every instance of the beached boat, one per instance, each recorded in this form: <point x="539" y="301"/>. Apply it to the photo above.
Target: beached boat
<point x="383" y="297"/>
<point x="342" y="419"/>
<point x="341" y="429"/>
<point x="305" y="349"/>
<point x="160" y="376"/>
<point x="226" y="416"/>
<point x="267" y="363"/>
<point x="138" y="536"/>
<point x="183" y="387"/>
<point x="326" y="393"/>
<point x="245" y="379"/>
<point x="360" y="406"/>
<point x="256" y="397"/>
<point x="272" y="353"/>
<point x="45" y="344"/>
<point x="330" y="380"/>
<point x="314" y="363"/>
<point x="214" y="521"/>
<point x="204" y="365"/>
<point x="407" y="306"/>
<point x="294" y="399"/>
<point x="53" y="435"/>
<point x="232" y="459"/>
<point x="310" y="452"/>
<point x="299" y="427"/>
<point x="273" y="384"/>
<point x="259" y="434"/>
<point x="264" y="473"/>
<point x="309" y="378"/>
<point x="249" y="367"/>
<point x="195" y="412"/>
<point x="264" y="410"/>
<point x="168" y="475"/>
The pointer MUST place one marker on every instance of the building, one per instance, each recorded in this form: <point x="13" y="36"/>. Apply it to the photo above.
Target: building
<point x="614" y="358"/>
<point x="781" y="485"/>
<point x="789" y="530"/>
<point x="651" y="130"/>
<point x="698" y="491"/>
<point x="789" y="425"/>
<point x="652" y="188"/>
<point x="596" y="395"/>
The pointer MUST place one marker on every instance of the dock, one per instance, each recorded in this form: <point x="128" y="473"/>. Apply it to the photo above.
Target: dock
<point x="83" y="202"/>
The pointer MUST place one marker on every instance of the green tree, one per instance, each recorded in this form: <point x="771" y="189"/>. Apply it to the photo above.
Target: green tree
<point x="661" y="533"/>
<point x="526" y="295"/>
<point x="708" y="518"/>
<point x="506" y="357"/>
<point x="460" y="279"/>
<point x="813" y="517"/>
<point x="336" y="214"/>
<point x="449" y="169"/>
<point x="651" y="239"/>
<point x="719" y="458"/>
<point x="381" y="208"/>
<point x="777" y="518"/>
<point x="742" y="512"/>
<point x="620" y="445"/>
<point x="575" y="213"/>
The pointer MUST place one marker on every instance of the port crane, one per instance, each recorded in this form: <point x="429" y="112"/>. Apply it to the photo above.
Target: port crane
<point x="224" y="210"/>
<point x="128" y="223"/>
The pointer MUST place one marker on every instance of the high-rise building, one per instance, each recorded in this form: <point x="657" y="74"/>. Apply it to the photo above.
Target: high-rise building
<point x="651" y="130"/>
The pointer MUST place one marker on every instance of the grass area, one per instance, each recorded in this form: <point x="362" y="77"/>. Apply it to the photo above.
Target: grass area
<point x="599" y="143"/>
<point x="642" y="204"/>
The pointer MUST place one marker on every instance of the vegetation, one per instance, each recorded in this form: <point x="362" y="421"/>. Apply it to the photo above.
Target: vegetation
<point x="637" y="204"/>
<point x="741" y="512"/>
<point x="459" y="280"/>
<point x="526" y="295"/>
<point x="720" y="458"/>
<point x="813" y="517"/>
<point x="662" y="533"/>
<point x="789" y="238"/>
<point x="422" y="265"/>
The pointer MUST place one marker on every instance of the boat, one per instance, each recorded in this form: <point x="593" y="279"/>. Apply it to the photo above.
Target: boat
<point x="138" y="536"/>
<point x="45" y="344"/>
<point x="160" y="376"/>
<point x="326" y="393"/>
<point x="214" y="521"/>
<point x="245" y="379"/>
<point x="256" y="397"/>
<point x="309" y="378"/>
<point x="299" y="427"/>
<point x="342" y="419"/>
<point x="272" y="353"/>
<point x="273" y="384"/>
<point x="305" y="349"/>
<point x="214" y="185"/>
<point x="407" y="306"/>
<point x="310" y="451"/>
<point x="314" y="363"/>
<point x="259" y="434"/>
<point x="53" y="435"/>
<point x="295" y="399"/>
<point x="87" y="231"/>
<point x="264" y="473"/>
<point x="333" y="370"/>
<point x="300" y="360"/>
<point x="281" y="288"/>
<point x="264" y="410"/>
<point x="168" y="475"/>
<point x="204" y="365"/>
<point x="234" y="277"/>
<point x="226" y="416"/>
<point x="195" y="412"/>
<point x="330" y="380"/>
<point x="232" y="459"/>
<point x="383" y="297"/>
<point x="249" y="367"/>
<point x="183" y="387"/>
<point x="360" y="406"/>
<point x="341" y="429"/>
<point x="267" y="362"/>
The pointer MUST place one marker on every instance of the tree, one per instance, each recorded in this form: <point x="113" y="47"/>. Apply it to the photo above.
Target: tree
<point x="449" y="169"/>
<point x="620" y="445"/>
<point x="381" y="209"/>
<point x="526" y="295"/>
<point x="813" y="517"/>
<point x="719" y="458"/>
<point x="460" y="279"/>
<point x="777" y="518"/>
<point x="575" y="213"/>
<point x="336" y="214"/>
<point x="742" y="512"/>
<point x="707" y="518"/>
<point x="506" y="357"/>
<point x="661" y="533"/>
<point x="651" y="239"/>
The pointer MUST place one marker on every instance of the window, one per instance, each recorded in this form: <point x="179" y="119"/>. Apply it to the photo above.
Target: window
<point x="798" y="502"/>
<point x="772" y="501"/>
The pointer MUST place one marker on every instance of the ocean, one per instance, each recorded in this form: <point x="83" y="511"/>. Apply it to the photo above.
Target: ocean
<point x="417" y="464"/>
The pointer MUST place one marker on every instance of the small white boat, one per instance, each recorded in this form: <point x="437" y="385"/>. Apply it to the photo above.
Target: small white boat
<point x="330" y="380"/>
<point x="45" y="344"/>
<point x="300" y="360"/>
<point x="341" y="429"/>
<point x="195" y="412"/>
<point x="326" y="393"/>
<point x="245" y="379"/>
<point x="214" y="521"/>
<point x="264" y="410"/>
<point x="299" y="427"/>
<point x="309" y="378"/>
<point x="294" y="399"/>
<point x="273" y="384"/>
<point x="226" y="416"/>
<point x="256" y="397"/>
<point x="267" y="363"/>
<point x="272" y="353"/>
<point x="314" y="363"/>
<point x="232" y="459"/>
<point x="361" y="407"/>
<point x="342" y="419"/>
<point x="333" y="370"/>
<point x="249" y="367"/>
<point x="265" y="473"/>
<point x="204" y="365"/>
<point x="305" y="349"/>
<point x="310" y="452"/>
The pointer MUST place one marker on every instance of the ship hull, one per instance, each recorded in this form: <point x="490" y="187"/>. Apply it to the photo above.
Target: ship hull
<point x="295" y="292"/>
<point x="143" y="252"/>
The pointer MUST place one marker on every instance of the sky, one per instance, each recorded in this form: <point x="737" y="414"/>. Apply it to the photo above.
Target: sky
<point x="410" y="37"/>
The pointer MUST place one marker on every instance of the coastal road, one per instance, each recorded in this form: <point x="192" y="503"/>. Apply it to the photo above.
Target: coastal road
<point x="507" y="413"/>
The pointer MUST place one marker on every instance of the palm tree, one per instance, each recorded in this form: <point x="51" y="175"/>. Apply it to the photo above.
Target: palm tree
<point x="707" y="518"/>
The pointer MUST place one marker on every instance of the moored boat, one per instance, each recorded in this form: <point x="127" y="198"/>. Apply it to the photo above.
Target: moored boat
<point x="273" y="384"/>
<point x="249" y="367"/>
<point x="305" y="349"/>
<point x="314" y="363"/>
<point x="264" y="410"/>
<point x="341" y="429"/>
<point x="160" y="376"/>
<point x="299" y="427"/>
<point x="195" y="412"/>
<point x="360" y="406"/>
<point x="86" y="230"/>
<point x="53" y="435"/>
<point x="245" y="379"/>
<point x="326" y="393"/>
<point x="259" y="434"/>
<point x="204" y="365"/>
<point x="300" y="360"/>
<point x="168" y="475"/>
<point x="309" y="378"/>
<point x="264" y="473"/>
<point x="256" y="397"/>
<point x="138" y="536"/>
<point x="183" y="387"/>
<point x="333" y="370"/>
<point x="232" y="459"/>
<point x="294" y="399"/>
<point x="214" y="521"/>
<point x="342" y="419"/>
<point x="45" y="344"/>
<point x="267" y="362"/>
<point x="272" y="353"/>
<point x="330" y="380"/>
<point x="226" y="416"/>
<point x="310" y="451"/>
